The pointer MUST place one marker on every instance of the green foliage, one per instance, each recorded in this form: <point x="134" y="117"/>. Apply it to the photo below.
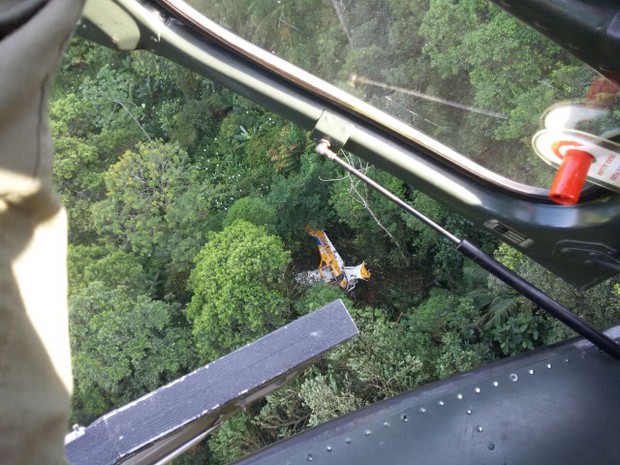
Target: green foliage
<point x="184" y="199"/>
<point x="301" y="199"/>
<point x="275" y="146"/>
<point x="78" y="162"/>
<point x="458" y="356"/>
<point x="237" y="287"/>
<point x="319" y="295"/>
<point x="433" y="251"/>
<point x="111" y="267"/>
<point x="381" y="360"/>
<point x="379" y="364"/>
<point x="598" y="305"/>
<point x="328" y="397"/>
<point x="521" y="332"/>
<point x="284" y="29"/>
<point x="124" y="346"/>
<point x="381" y="231"/>
<point x="141" y="188"/>
<point x="253" y="210"/>
<point x="447" y="335"/>
<point x="95" y="119"/>
<point x="283" y="413"/>
<point x="497" y="308"/>
<point x="234" y="439"/>
<point x="518" y="76"/>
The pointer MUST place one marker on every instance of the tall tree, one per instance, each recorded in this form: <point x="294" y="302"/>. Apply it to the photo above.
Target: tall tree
<point x="124" y="346"/>
<point x="238" y="285"/>
<point x="141" y="189"/>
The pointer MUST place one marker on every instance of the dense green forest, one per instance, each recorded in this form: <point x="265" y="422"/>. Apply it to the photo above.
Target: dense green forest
<point x="188" y="206"/>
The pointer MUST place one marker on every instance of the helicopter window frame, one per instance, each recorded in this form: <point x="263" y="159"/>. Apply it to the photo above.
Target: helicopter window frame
<point x="356" y="109"/>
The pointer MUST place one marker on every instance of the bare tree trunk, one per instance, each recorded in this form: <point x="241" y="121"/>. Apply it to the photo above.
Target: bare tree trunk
<point x="362" y="199"/>
<point x="340" y="7"/>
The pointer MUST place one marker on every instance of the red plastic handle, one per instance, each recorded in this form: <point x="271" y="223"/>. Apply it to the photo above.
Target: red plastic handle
<point x="571" y="177"/>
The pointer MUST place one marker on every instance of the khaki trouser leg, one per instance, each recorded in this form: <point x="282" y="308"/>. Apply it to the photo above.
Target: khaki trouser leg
<point x="35" y="369"/>
<point x="35" y="366"/>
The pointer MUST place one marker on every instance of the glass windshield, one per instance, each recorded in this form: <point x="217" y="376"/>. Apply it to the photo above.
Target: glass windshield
<point x="464" y="73"/>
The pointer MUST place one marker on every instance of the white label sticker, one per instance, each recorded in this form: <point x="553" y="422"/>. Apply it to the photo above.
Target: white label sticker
<point x="552" y="144"/>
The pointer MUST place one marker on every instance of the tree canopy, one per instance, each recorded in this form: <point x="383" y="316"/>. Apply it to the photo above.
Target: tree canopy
<point x="188" y="207"/>
<point x="238" y="288"/>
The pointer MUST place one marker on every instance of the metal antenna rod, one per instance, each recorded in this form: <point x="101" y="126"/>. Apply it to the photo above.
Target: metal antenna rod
<point x="323" y="149"/>
<point x="487" y="262"/>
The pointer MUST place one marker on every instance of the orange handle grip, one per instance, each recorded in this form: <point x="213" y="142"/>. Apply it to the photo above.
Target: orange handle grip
<point x="571" y="177"/>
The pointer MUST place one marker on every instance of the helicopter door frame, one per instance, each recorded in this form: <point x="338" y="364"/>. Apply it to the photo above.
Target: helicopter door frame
<point x="517" y="214"/>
